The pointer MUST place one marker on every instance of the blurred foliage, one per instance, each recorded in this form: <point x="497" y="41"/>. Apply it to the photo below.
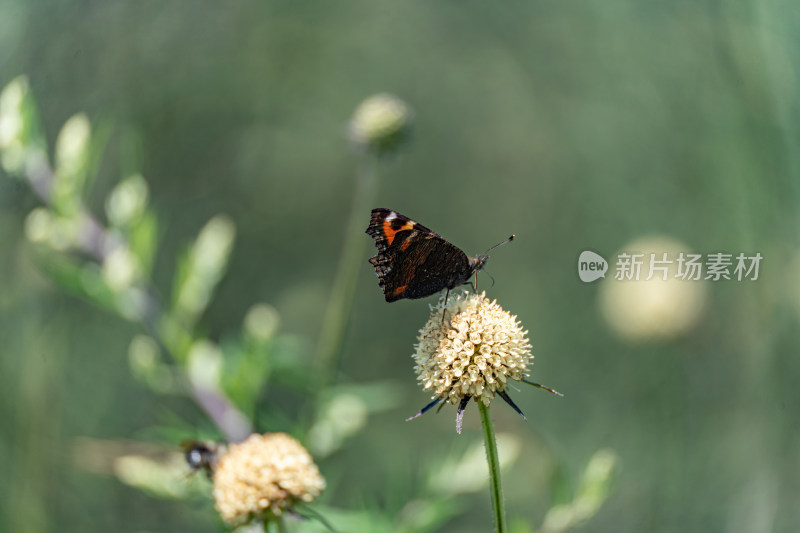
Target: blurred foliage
<point x="575" y="126"/>
<point x="225" y="380"/>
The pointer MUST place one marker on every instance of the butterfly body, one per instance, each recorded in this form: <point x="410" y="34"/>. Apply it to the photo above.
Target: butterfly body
<point x="413" y="261"/>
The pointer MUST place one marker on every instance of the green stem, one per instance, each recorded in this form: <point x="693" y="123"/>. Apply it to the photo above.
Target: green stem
<point x="495" y="485"/>
<point x="337" y="314"/>
<point x="281" y="523"/>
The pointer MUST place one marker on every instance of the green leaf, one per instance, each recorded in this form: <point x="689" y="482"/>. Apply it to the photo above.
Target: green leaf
<point x="247" y="369"/>
<point x="101" y="134"/>
<point x="148" y="366"/>
<point x="71" y="165"/>
<point x="82" y="280"/>
<point x="594" y="489"/>
<point x="467" y="472"/>
<point x="343" y="413"/>
<point x="520" y="525"/>
<point x="429" y="514"/>
<point x="143" y="240"/>
<point x="20" y="128"/>
<point x="201" y="269"/>
<point x="561" y="487"/>
<point x="597" y="481"/>
<point x="164" y="478"/>
<point x="127" y="202"/>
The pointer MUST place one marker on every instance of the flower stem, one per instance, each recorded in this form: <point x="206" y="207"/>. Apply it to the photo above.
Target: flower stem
<point x="495" y="485"/>
<point x="281" y="523"/>
<point x="337" y="315"/>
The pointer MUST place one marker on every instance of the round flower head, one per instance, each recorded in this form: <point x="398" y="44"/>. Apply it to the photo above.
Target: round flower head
<point x="470" y="348"/>
<point x="262" y="476"/>
<point x="380" y="123"/>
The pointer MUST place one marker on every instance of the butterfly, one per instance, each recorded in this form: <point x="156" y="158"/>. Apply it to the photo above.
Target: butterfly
<point x="415" y="262"/>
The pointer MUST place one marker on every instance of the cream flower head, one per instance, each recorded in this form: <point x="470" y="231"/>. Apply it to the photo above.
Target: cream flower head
<point x="470" y="348"/>
<point x="381" y="123"/>
<point x="263" y="476"/>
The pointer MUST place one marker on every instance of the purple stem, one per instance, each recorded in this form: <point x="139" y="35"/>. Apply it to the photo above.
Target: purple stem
<point x="97" y="242"/>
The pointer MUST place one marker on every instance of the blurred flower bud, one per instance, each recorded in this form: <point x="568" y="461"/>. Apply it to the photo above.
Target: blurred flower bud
<point x="205" y="365"/>
<point x="343" y="417"/>
<point x="72" y="158"/>
<point x="127" y="202"/>
<point x="121" y="269"/>
<point x="261" y="322"/>
<point x="206" y="264"/>
<point x="39" y="225"/>
<point x="42" y="226"/>
<point x="11" y="117"/>
<point x="655" y="308"/>
<point x="380" y="123"/>
<point x="147" y="365"/>
<point x="22" y="144"/>
<point x="12" y="124"/>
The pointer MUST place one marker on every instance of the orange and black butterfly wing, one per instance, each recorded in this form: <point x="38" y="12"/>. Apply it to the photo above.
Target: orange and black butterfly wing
<point x="413" y="261"/>
<point x="384" y="225"/>
<point x="428" y="265"/>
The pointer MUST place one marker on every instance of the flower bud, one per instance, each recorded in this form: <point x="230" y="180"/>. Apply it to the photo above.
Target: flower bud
<point x="381" y="123"/>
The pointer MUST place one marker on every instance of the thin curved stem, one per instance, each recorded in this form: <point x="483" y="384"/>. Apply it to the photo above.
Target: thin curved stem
<point x="337" y="315"/>
<point x="495" y="486"/>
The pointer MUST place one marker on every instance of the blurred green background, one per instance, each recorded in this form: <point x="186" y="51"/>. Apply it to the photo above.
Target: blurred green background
<point x="574" y="125"/>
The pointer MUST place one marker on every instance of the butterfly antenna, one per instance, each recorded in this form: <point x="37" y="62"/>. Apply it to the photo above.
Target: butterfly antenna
<point x="490" y="277"/>
<point x="511" y="238"/>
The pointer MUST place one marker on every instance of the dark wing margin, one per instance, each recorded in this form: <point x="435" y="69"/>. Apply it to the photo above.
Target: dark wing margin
<point x="384" y="226"/>
<point x="385" y="223"/>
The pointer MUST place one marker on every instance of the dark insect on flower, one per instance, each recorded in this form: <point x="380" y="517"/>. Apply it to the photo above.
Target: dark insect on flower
<point x="415" y="262"/>
<point x="202" y="455"/>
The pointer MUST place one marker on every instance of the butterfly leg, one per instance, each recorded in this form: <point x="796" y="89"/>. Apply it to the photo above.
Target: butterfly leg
<point x="444" y="308"/>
